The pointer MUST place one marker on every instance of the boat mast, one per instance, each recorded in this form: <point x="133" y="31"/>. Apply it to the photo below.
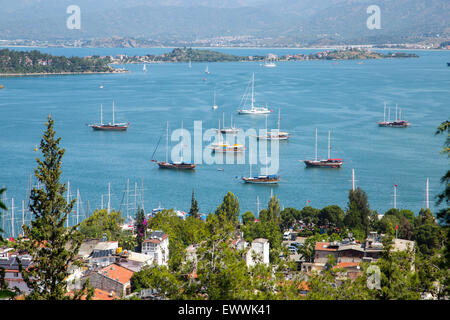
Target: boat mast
<point x="135" y="196"/>
<point x="329" y="146"/>
<point x="316" y="146"/>
<point x="68" y="198"/>
<point x="253" y="89"/>
<point x="109" y="197"/>
<point x="279" y="120"/>
<point x="78" y="203"/>
<point x="128" y="194"/>
<point x="23" y="213"/>
<point x="142" y="194"/>
<point x="12" y="217"/>
<point x="396" y="106"/>
<point x="266" y="128"/>
<point x="101" y="114"/>
<point x="353" y="179"/>
<point x="113" y="112"/>
<point x="389" y="114"/>
<point x="384" y="113"/>
<point x="167" y="142"/>
<point x="182" y="141"/>
<point x="427" y="196"/>
<point x="257" y="207"/>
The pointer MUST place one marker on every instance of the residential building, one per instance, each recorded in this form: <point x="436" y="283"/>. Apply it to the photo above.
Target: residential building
<point x="13" y="277"/>
<point x="114" y="279"/>
<point x="258" y="253"/>
<point x="157" y="246"/>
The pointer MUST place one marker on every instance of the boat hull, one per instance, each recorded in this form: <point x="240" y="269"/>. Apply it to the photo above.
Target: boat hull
<point x="253" y="112"/>
<point x="322" y="164"/>
<point x="177" y="166"/>
<point x="109" y="128"/>
<point x="394" y="124"/>
<point x="257" y="180"/>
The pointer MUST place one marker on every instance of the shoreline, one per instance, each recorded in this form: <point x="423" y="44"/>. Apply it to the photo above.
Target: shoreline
<point x="54" y="74"/>
<point x="228" y="47"/>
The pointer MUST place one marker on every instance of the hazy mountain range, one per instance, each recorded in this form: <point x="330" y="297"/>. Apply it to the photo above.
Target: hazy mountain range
<point x="300" y="21"/>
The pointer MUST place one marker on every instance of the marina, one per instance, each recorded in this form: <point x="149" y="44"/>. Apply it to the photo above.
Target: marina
<point x="175" y="93"/>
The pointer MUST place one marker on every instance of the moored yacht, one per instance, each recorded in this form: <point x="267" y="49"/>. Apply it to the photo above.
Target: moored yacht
<point x="253" y="109"/>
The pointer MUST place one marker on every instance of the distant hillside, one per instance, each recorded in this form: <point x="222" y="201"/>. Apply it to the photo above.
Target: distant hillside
<point x="277" y="21"/>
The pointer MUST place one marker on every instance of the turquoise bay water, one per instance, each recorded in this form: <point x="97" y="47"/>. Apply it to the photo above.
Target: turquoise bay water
<point x="342" y="96"/>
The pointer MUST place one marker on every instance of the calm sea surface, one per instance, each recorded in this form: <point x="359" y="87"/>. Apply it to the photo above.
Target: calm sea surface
<point x="345" y="97"/>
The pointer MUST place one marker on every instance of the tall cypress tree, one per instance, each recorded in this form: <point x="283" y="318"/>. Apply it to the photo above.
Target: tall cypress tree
<point x="194" y="206"/>
<point x="52" y="246"/>
<point x="140" y="227"/>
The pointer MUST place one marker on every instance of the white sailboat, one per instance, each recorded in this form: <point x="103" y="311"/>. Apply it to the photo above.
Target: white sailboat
<point x="144" y="68"/>
<point x="228" y="130"/>
<point x="190" y="64"/>
<point x="269" y="64"/>
<point x="275" y="135"/>
<point x="215" y="106"/>
<point x="253" y="109"/>
<point x="206" y="70"/>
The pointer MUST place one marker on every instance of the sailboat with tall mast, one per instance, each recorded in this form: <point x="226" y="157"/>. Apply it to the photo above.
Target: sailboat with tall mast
<point x="397" y="123"/>
<point x="253" y="109"/>
<point x="144" y="68"/>
<point x="228" y="130"/>
<point x="324" y="163"/>
<point x="260" y="179"/>
<point x="275" y="135"/>
<point x="207" y="70"/>
<point x="110" y="126"/>
<point x="215" y="106"/>
<point x="181" y="165"/>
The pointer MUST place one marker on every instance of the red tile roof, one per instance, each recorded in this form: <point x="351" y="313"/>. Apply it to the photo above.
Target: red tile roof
<point x="118" y="273"/>
<point x="347" y="265"/>
<point x="323" y="246"/>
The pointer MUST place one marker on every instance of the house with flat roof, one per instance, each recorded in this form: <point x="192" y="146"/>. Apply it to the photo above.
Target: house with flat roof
<point x="157" y="246"/>
<point x="258" y="252"/>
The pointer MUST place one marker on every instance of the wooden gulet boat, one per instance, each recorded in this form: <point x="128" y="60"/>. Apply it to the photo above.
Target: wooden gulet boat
<point x="110" y="126"/>
<point x="180" y="165"/>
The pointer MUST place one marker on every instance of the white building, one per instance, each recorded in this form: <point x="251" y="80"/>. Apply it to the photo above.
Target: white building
<point x="259" y="252"/>
<point x="157" y="245"/>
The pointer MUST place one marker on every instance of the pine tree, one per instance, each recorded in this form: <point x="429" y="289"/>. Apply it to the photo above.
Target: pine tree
<point x="52" y="247"/>
<point x="229" y="209"/>
<point x="194" y="206"/>
<point x="358" y="212"/>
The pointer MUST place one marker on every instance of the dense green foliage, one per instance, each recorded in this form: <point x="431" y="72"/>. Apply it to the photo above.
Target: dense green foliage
<point x="12" y="61"/>
<point x="102" y="223"/>
<point x="219" y="270"/>
<point x="52" y="247"/>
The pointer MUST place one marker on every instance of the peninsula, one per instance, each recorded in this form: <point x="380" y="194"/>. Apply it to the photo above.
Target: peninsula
<point x="201" y="55"/>
<point x="22" y="63"/>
